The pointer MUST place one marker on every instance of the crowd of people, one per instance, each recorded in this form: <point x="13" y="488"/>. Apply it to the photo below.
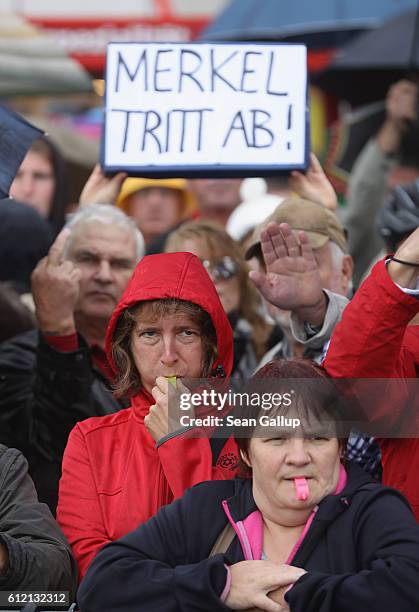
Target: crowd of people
<point x="154" y="287"/>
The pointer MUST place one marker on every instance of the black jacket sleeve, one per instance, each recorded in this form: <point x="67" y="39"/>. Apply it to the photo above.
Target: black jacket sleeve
<point x="39" y="556"/>
<point x="45" y="392"/>
<point x="151" y="570"/>
<point x="387" y="541"/>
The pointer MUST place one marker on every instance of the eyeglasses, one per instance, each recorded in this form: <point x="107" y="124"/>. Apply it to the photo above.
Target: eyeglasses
<point x="224" y="269"/>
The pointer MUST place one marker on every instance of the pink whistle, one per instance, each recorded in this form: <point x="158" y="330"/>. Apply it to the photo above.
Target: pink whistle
<point x="301" y="488"/>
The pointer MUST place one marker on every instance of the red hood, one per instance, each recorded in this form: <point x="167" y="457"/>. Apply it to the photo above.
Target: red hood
<point x="177" y="275"/>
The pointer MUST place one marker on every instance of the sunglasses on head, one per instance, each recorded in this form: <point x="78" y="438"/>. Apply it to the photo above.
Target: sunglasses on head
<point x="223" y="269"/>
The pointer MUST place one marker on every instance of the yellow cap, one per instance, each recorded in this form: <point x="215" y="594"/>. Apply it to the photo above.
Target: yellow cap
<point x="132" y="185"/>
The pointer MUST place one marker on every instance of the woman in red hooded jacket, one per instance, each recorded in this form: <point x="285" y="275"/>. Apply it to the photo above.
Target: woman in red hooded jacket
<point x="118" y="470"/>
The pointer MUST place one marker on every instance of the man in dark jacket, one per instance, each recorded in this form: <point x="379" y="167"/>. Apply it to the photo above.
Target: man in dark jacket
<point x="34" y="554"/>
<point x="52" y="379"/>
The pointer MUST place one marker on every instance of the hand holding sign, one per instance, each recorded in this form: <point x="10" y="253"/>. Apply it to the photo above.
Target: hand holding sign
<point x="314" y="185"/>
<point x="100" y="189"/>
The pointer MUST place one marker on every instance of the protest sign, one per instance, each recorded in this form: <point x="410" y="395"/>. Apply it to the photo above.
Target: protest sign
<point x="205" y="109"/>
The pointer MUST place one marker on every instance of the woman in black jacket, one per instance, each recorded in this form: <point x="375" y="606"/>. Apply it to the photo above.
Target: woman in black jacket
<point x="304" y="534"/>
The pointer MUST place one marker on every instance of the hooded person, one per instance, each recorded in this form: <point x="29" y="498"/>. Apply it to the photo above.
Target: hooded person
<point x="118" y="470"/>
<point x="41" y="182"/>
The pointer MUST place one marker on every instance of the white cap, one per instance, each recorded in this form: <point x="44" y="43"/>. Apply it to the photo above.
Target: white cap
<point x="247" y="215"/>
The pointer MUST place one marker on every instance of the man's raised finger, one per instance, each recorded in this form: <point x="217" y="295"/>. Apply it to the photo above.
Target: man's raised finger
<point x="56" y="252"/>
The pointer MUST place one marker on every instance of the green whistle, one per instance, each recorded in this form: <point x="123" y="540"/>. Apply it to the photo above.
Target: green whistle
<point x="172" y="380"/>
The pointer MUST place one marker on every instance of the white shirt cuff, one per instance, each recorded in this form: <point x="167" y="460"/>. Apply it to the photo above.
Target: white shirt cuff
<point x="414" y="292"/>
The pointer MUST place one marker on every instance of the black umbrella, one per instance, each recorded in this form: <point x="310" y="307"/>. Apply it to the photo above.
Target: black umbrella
<point x="322" y="24"/>
<point x="16" y="136"/>
<point x="363" y="70"/>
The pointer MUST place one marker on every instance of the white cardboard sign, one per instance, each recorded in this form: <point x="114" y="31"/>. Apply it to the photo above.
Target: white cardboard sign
<point x="205" y="109"/>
